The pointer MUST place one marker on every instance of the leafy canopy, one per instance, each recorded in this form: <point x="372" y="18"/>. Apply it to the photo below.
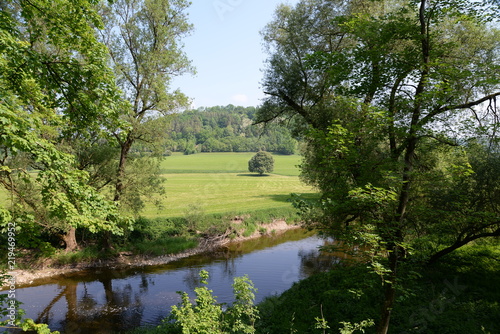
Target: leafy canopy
<point x="393" y="97"/>
<point x="55" y="81"/>
<point x="262" y="162"/>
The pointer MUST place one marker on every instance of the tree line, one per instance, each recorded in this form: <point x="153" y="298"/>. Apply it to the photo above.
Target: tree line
<point x="225" y="129"/>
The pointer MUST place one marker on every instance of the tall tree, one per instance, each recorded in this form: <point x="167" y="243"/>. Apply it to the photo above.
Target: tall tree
<point x="380" y="88"/>
<point x="54" y="81"/>
<point x="144" y="42"/>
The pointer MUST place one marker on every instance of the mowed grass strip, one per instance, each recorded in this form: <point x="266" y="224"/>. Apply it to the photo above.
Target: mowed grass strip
<point x="221" y="183"/>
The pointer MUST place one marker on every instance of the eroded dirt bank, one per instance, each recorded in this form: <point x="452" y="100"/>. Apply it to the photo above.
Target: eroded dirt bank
<point x="25" y="277"/>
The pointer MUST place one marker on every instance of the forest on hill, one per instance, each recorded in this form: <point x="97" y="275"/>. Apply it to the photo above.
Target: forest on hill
<point x="225" y="129"/>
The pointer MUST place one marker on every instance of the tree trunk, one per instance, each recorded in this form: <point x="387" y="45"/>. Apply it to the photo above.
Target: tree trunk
<point x="390" y="288"/>
<point x="120" y="174"/>
<point x="395" y="233"/>
<point x="389" y="298"/>
<point x="107" y="244"/>
<point x="69" y="239"/>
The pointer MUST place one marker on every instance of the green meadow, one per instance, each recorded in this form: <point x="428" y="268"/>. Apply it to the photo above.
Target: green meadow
<point x="225" y="163"/>
<point x="221" y="183"/>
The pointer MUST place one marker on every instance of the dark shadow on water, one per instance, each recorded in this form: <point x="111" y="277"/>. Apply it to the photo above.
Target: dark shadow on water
<point x="254" y="175"/>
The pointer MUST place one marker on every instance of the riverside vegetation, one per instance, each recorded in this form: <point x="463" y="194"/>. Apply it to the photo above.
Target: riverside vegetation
<point x="394" y="103"/>
<point x="204" y="193"/>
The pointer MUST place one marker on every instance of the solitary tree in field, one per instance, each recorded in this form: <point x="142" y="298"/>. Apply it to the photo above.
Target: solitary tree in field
<point x="261" y="163"/>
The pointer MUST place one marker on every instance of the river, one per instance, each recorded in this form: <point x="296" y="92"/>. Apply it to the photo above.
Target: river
<point x="112" y="301"/>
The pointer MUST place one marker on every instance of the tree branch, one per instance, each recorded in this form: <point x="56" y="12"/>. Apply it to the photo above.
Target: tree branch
<point x="295" y="106"/>
<point x="459" y="243"/>
<point x="468" y="105"/>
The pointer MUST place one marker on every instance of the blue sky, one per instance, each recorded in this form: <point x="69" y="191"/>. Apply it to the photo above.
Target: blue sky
<point x="226" y="49"/>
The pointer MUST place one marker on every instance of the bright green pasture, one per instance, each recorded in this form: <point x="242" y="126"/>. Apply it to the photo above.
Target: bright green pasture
<point x="4" y="198"/>
<point x="225" y="163"/>
<point x="221" y="183"/>
<point x="226" y="192"/>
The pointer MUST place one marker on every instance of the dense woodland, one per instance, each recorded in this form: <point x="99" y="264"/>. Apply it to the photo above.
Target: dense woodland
<point x="226" y="129"/>
<point x="395" y="102"/>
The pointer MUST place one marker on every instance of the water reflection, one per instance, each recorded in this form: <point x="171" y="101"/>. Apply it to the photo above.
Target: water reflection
<point x="90" y="307"/>
<point x="111" y="301"/>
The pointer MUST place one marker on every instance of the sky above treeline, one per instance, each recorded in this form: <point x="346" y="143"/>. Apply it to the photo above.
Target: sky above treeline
<point x="227" y="51"/>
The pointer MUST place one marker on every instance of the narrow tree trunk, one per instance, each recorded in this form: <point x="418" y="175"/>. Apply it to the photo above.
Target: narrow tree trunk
<point x="396" y="233"/>
<point x="107" y="244"/>
<point x="394" y="237"/>
<point x="119" y="186"/>
<point x="120" y="174"/>
<point x="389" y="295"/>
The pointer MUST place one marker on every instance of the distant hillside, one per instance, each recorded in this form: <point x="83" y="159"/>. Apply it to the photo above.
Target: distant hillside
<point x="226" y="129"/>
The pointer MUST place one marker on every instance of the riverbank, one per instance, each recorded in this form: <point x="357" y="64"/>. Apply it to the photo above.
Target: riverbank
<point x="128" y="260"/>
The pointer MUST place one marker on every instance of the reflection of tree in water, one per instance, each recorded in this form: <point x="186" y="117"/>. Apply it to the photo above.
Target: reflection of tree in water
<point x="316" y="260"/>
<point x="192" y="278"/>
<point x="122" y="308"/>
<point x="228" y="263"/>
<point x="223" y="258"/>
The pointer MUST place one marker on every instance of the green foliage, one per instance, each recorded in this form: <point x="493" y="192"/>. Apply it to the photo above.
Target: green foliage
<point x="457" y="295"/>
<point x="351" y="328"/>
<point x="151" y="229"/>
<point x="87" y="254"/>
<point x="388" y="95"/>
<point x="226" y="129"/>
<point x="261" y="163"/>
<point x="144" y="184"/>
<point x="166" y="245"/>
<point x="207" y="316"/>
<point x="55" y="84"/>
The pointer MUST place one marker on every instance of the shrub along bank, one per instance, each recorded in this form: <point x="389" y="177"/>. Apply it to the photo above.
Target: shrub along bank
<point x="459" y="295"/>
<point x="161" y="236"/>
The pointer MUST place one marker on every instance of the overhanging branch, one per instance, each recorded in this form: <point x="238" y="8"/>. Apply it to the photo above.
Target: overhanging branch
<point x="468" y="105"/>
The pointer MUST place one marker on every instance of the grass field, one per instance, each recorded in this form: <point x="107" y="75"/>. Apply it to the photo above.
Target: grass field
<point x="225" y="163"/>
<point x="221" y="183"/>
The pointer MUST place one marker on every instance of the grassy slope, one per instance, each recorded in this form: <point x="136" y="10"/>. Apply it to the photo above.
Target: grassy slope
<point x="221" y="183"/>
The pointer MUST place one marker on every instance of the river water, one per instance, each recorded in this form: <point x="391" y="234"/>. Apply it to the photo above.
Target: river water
<point x="113" y="301"/>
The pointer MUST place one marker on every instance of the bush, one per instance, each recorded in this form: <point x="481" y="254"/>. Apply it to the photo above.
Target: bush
<point x="207" y="316"/>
